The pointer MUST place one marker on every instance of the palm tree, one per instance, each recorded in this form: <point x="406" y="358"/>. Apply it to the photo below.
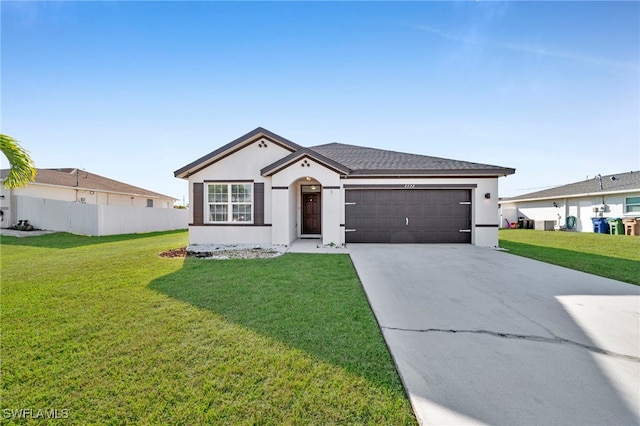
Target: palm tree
<point x="22" y="169"/>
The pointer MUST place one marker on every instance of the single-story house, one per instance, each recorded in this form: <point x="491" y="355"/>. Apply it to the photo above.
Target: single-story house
<point x="264" y="189"/>
<point x="54" y="201"/>
<point x="611" y="196"/>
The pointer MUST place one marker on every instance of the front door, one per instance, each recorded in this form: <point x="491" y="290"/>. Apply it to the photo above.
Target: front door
<point x="311" y="217"/>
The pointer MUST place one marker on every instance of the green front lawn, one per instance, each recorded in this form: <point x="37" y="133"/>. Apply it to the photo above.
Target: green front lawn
<point x="611" y="256"/>
<point x="106" y="329"/>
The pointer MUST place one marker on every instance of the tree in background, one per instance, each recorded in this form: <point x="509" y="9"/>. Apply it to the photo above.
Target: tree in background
<point x="22" y="170"/>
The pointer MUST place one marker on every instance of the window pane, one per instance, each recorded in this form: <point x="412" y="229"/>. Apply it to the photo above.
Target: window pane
<point x="241" y="193"/>
<point x="241" y="213"/>
<point x="218" y="193"/>
<point x="218" y="213"/>
<point x="633" y="200"/>
<point x="632" y="209"/>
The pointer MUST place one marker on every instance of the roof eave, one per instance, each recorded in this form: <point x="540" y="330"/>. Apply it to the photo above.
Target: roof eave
<point x="431" y="172"/>
<point x="556" y="197"/>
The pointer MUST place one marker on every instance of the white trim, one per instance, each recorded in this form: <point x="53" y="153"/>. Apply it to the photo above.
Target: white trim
<point x="229" y="203"/>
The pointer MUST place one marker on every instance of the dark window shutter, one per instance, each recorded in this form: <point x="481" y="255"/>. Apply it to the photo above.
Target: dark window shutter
<point x="258" y="203"/>
<point x="198" y="203"/>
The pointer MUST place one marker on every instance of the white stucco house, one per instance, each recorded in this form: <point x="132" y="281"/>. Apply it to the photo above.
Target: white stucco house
<point x="78" y="201"/>
<point x="611" y="196"/>
<point x="264" y="189"/>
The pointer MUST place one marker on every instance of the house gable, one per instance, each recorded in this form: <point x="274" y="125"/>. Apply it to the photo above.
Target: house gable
<point x="263" y="136"/>
<point x="301" y="155"/>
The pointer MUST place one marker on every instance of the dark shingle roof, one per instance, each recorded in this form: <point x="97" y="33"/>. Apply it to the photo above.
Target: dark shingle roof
<point x="367" y="161"/>
<point x="82" y="179"/>
<point x="348" y="159"/>
<point x="619" y="182"/>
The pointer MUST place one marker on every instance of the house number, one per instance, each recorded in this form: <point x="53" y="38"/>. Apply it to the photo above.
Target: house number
<point x="409" y="186"/>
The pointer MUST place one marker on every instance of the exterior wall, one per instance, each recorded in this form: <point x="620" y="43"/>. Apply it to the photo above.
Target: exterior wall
<point x="332" y="211"/>
<point x="244" y="164"/>
<point x="280" y="230"/>
<point x="484" y="215"/>
<point x="94" y="219"/>
<point x="7" y="218"/>
<point x="45" y="191"/>
<point x="580" y="207"/>
<point x="229" y="235"/>
<point x="295" y="211"/>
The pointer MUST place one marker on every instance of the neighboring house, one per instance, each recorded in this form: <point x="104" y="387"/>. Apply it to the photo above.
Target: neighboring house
<point x="53" y="201"/>
<point x="264" y="189"/>
<point x="612" y="196"/>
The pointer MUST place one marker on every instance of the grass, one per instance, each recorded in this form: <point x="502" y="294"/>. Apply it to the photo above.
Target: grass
<point x="611" y="256"/>
<point x="106" y="329"/>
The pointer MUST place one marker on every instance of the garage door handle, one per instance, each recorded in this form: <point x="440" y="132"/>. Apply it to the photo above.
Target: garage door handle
<point x="465" y="203"/>
<point x="406" y="221"/>
<point x="465" y="230"/>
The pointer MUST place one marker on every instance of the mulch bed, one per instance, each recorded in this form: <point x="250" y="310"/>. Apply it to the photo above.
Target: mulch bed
<point x="173" y="253"/>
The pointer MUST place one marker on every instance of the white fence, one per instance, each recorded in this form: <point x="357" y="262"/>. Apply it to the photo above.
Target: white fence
<point x="95" y="219"/>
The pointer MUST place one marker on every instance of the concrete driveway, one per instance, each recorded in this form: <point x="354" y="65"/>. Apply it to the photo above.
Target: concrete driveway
<point x="481" y="336"/>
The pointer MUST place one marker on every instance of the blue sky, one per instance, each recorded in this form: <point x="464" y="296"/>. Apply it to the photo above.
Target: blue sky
<point x="136" y="90"/>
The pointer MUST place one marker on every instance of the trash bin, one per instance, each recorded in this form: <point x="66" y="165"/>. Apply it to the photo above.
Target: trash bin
<point x="615" y="226"/>
<point x="631" y="226"/>
<point x="600" y="225"/>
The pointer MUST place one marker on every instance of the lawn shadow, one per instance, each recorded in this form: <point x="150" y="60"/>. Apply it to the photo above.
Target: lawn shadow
<point x="65" y="240"/>
<point x="616" y="268"/>
<point x="313" y="303"/>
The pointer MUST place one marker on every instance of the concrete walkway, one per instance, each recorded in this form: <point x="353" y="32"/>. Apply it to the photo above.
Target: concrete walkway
<point x="484" y="337"/>
<point x="314" y="245"/>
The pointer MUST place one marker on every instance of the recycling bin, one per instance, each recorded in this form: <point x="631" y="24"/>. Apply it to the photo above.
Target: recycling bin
<point x="631" y="226"/>
<point x="600" y="225"/>
<point x="615" y="226"/>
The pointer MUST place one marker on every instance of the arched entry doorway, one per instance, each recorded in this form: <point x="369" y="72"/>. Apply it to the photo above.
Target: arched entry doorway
<point x="311" y="198"/>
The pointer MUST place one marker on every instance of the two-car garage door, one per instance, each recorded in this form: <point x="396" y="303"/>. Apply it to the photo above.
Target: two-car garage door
<point x="410" y="215"/>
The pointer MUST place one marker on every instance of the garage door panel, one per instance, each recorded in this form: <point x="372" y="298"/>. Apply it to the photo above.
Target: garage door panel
<point x="434" y="216"/>
<point x="403" y="237"/>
